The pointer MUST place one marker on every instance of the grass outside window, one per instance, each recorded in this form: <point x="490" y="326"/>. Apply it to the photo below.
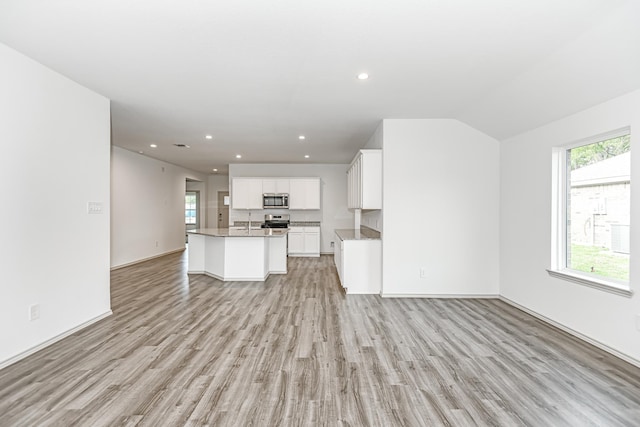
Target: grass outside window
<point x="600" y="261"/>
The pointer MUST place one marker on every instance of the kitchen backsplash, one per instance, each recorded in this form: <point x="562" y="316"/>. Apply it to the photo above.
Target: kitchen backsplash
<point x="258" y="215"/>
<point x="304" y="223"/>
<point x="372" y="220"/>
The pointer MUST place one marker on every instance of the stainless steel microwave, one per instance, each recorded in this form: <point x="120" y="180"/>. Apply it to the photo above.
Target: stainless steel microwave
<point x="275" y="201"/>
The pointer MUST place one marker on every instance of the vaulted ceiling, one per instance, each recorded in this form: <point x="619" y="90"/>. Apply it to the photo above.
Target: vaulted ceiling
<point x="255" y="74"/>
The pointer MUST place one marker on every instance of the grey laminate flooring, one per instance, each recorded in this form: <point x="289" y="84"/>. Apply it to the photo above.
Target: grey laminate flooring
<point x="191" y="350"/>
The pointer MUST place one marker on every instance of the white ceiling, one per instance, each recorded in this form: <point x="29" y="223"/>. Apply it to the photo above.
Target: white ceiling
<point x="256" y="74"/>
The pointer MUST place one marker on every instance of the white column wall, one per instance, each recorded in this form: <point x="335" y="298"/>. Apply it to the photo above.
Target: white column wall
<point x="55" y="137"/>
<point x="525" y="244"/>
<point x="441" y="203"/>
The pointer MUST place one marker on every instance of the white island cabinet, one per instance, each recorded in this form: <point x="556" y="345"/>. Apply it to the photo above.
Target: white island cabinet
<point x="238" y="255"/>
<point x="358" y="258"/>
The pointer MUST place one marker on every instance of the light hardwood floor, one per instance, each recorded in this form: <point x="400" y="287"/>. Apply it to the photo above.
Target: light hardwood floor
<point x="191" y="350"/>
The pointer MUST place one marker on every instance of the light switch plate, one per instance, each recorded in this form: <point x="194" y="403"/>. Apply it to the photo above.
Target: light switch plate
<point x="34" y="312"/>
<point x="95" y="208"/>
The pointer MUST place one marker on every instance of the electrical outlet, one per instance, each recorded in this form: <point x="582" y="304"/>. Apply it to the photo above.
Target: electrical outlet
<point x="156" y="243"/>
<point x="34" y="312"/>
<point x="423" y="272"/>
<point x="331" y="244"/>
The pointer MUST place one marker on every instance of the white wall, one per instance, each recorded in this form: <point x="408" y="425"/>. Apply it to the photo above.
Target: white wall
<point x="441" y="204"/>
<point x="526" y="229"/>
<point x="147" y="206"/>
<point x="333" y="198"/>
<point x="215" y="183"/>
<point x="55" y="137"/>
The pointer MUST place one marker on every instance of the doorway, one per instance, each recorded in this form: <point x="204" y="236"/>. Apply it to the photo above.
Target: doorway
<point x="223" y="209"/>
<point x="191" y="211"/>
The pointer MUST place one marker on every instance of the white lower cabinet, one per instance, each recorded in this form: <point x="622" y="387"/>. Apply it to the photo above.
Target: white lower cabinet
<point x="337" y="257"/>
<point x="304" y="241"/>
<point x="359" y="265"/>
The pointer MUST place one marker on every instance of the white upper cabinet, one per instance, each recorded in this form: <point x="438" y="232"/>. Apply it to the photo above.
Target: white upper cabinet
<point x="304" y="193"/>
<point x="275" y="185"/>
<point x="246" y="193"/>
<point x="364" y="180"/>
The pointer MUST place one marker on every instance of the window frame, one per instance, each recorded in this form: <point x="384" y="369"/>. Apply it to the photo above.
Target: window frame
<point x="559" y="181"/>
<point x="195" y="209"/>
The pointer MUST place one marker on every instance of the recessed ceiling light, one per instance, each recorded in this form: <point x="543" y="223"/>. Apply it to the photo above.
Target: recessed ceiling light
<point x="209" y="136"/>
<point x="238" y="156"/>
<point x="141" y="152"/>
<point x="215" y="170"/>
<point x="306" y="156"/>
<point x="301" y="137"/>
<point x="153" y="145"/>
<point x="363" y="76"/>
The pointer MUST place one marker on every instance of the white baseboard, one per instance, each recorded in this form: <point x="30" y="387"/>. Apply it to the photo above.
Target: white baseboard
<point x="361" y="293"/>
<point x="576" y="334"/>
<point x="146" y="259"/>
<point x="50" y="341"/>
<point x="458" y="296"/>
<point x="235" y="279"/>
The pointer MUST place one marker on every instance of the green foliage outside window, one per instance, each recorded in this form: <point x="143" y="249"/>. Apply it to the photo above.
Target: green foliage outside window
<point x="593" y="153"/>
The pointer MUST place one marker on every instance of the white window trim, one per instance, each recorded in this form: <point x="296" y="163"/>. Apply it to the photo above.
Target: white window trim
<point x="558" y="268"/>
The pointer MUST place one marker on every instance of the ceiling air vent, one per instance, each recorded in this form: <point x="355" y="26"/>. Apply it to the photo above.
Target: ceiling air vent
<point x="182" y="145"/>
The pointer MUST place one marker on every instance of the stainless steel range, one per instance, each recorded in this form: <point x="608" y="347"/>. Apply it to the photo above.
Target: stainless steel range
<point x="276" y="221"/>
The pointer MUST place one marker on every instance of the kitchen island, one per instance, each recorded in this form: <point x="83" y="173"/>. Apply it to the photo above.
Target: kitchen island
<point x="237" y="255"/>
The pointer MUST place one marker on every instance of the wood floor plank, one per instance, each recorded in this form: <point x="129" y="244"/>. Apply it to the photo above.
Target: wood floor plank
<point x="190" y="350"/>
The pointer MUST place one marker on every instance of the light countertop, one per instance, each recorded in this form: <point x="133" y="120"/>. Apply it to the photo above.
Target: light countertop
<point x="362" y="234"/>
<point x="226" y="232"/>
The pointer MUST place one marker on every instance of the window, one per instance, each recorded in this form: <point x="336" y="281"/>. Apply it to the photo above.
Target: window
<point x="190" y="207"/>
<point x="592" y="212"/>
